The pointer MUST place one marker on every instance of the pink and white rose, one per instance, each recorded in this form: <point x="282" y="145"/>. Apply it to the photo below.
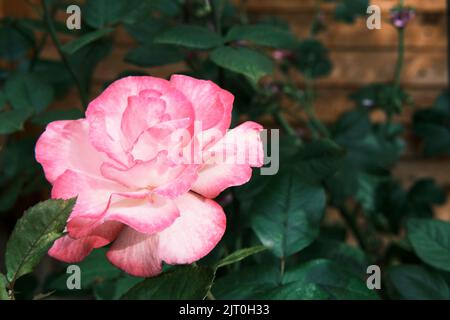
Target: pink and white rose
<point x="143" y="166"/>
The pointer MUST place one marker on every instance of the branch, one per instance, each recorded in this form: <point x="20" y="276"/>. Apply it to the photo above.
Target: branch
<point x="65" y="60"/>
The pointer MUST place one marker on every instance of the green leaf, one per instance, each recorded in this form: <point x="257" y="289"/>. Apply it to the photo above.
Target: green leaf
<point x="55" y="74"/>
<point x="244" y="61"/>
<point x="100" y="13"/>
<point x="2" y="100"/>
<point x="86" y="59"/>
<point x="146" y="30"/>
<point x="15" y="40"/>
<point x="287" y="213"/>
<point x="318" y="160"/>
<point x="430" y="240"/>
<point x="391" y="200"/>
<point x="3" y="288"/>
<point x="432" y="126"/>
<point x="318" y="279"/>
<point x="42" y="296"/>
<point x="12" y="121"/>
<point x="312" y="58"/>
<point x="15" y="161"/>
<point x="166" y="8"/>
<point x="264" y="35"/>
<point x="58" y="114"/>
<point x="33" y="235"/>
<point x="247" y="283"/>
<point x="182" y="283"/>
<point x="27" y="91"/>
<point x="96" y="268"/>
<point x="436" y="138"/>
<point x="9" y="196"/>
<point x="349" y="257"/>
<point x="152" y="55"/>
<point x="113" y="289"/>
<point x="414" y="282"/>
<point x="333" y="279"/>
<point x="371" y="150"/>
<point x="427" y="191"/>
<point x="239" y="255"/>
<point x="348" y="10"/>
<point x="442" y="103"/>
<point x="74" y="45"/>
<point x="298" y="290"/>
<point x="422" y="196"/>
<point x="191" y="37"/>
<point x="19" y="172"/>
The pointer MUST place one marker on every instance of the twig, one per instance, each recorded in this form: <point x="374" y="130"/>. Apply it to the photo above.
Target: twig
<point x="400" y="58"/>
<point x="284" y="123"/>
<point x="351" y="222"/>
<point x="317" y="125"/>
<point x="65" y="60"/>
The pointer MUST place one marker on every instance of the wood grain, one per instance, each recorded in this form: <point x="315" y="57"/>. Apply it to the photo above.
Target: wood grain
<point x="351" y="69"/>
<point x="360" y="56"/>
<point x="275" y="7"/>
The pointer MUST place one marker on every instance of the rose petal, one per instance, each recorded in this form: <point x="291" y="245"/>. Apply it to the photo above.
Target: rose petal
<point x="140" y="114"/>
<point x="65" y="146"/>
<point x="93" y="193"/>
<point x="213" y="179"/>
<point x="81" y="222"/>
<point x="72" y="250"/>
<point x="143" y="215"/>
<point x="179" y="185"/>
<point x="136" y="253"/>
<point x="230" y="160"/>
<point x="212" y="105"/>
<point x="148" y="175"/>
<point x="105" y="114"/>
<point x="195" y="233"/>
<point x="169" y="136"/>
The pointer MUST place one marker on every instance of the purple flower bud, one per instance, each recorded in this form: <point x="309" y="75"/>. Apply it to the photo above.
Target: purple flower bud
<point x="367" y="103"/>
<point x="280" y="55"/>
<point x="271" y="87"/>
<point x="401" y="16"/>
<point x="225" y="199"/>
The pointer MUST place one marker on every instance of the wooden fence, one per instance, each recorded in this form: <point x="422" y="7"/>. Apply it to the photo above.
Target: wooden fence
<point x="359" y="55"/>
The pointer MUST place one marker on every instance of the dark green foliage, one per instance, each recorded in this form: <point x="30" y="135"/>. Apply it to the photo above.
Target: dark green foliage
<point x="310" y="231"/>
<point x="312" y="58"/>
<point x="433" y="126"/>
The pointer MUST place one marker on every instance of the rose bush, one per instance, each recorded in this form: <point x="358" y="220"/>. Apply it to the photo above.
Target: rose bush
<point x="140" y="167"/>
<point x="144" y="169"/>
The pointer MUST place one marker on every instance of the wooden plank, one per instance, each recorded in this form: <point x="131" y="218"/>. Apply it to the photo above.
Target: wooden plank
<point x="274" y="7"/>
<point x="443" y="212"/>
<point x="421" y="68"/>
<point x="14" y="9"/>
<point x="419" y="34"/>
<point x="411" y="170"/>
<point x="351" y="69"/>
<point x="352" y="37"/>
<point x="423" y="31"/>
<point x="355" y="36"/>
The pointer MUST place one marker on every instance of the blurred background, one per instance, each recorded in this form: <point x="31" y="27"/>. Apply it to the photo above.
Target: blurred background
<point x="359" y="56"/>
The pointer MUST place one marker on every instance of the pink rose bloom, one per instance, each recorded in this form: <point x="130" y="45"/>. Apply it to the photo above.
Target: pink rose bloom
<point x="143" y="167"/>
